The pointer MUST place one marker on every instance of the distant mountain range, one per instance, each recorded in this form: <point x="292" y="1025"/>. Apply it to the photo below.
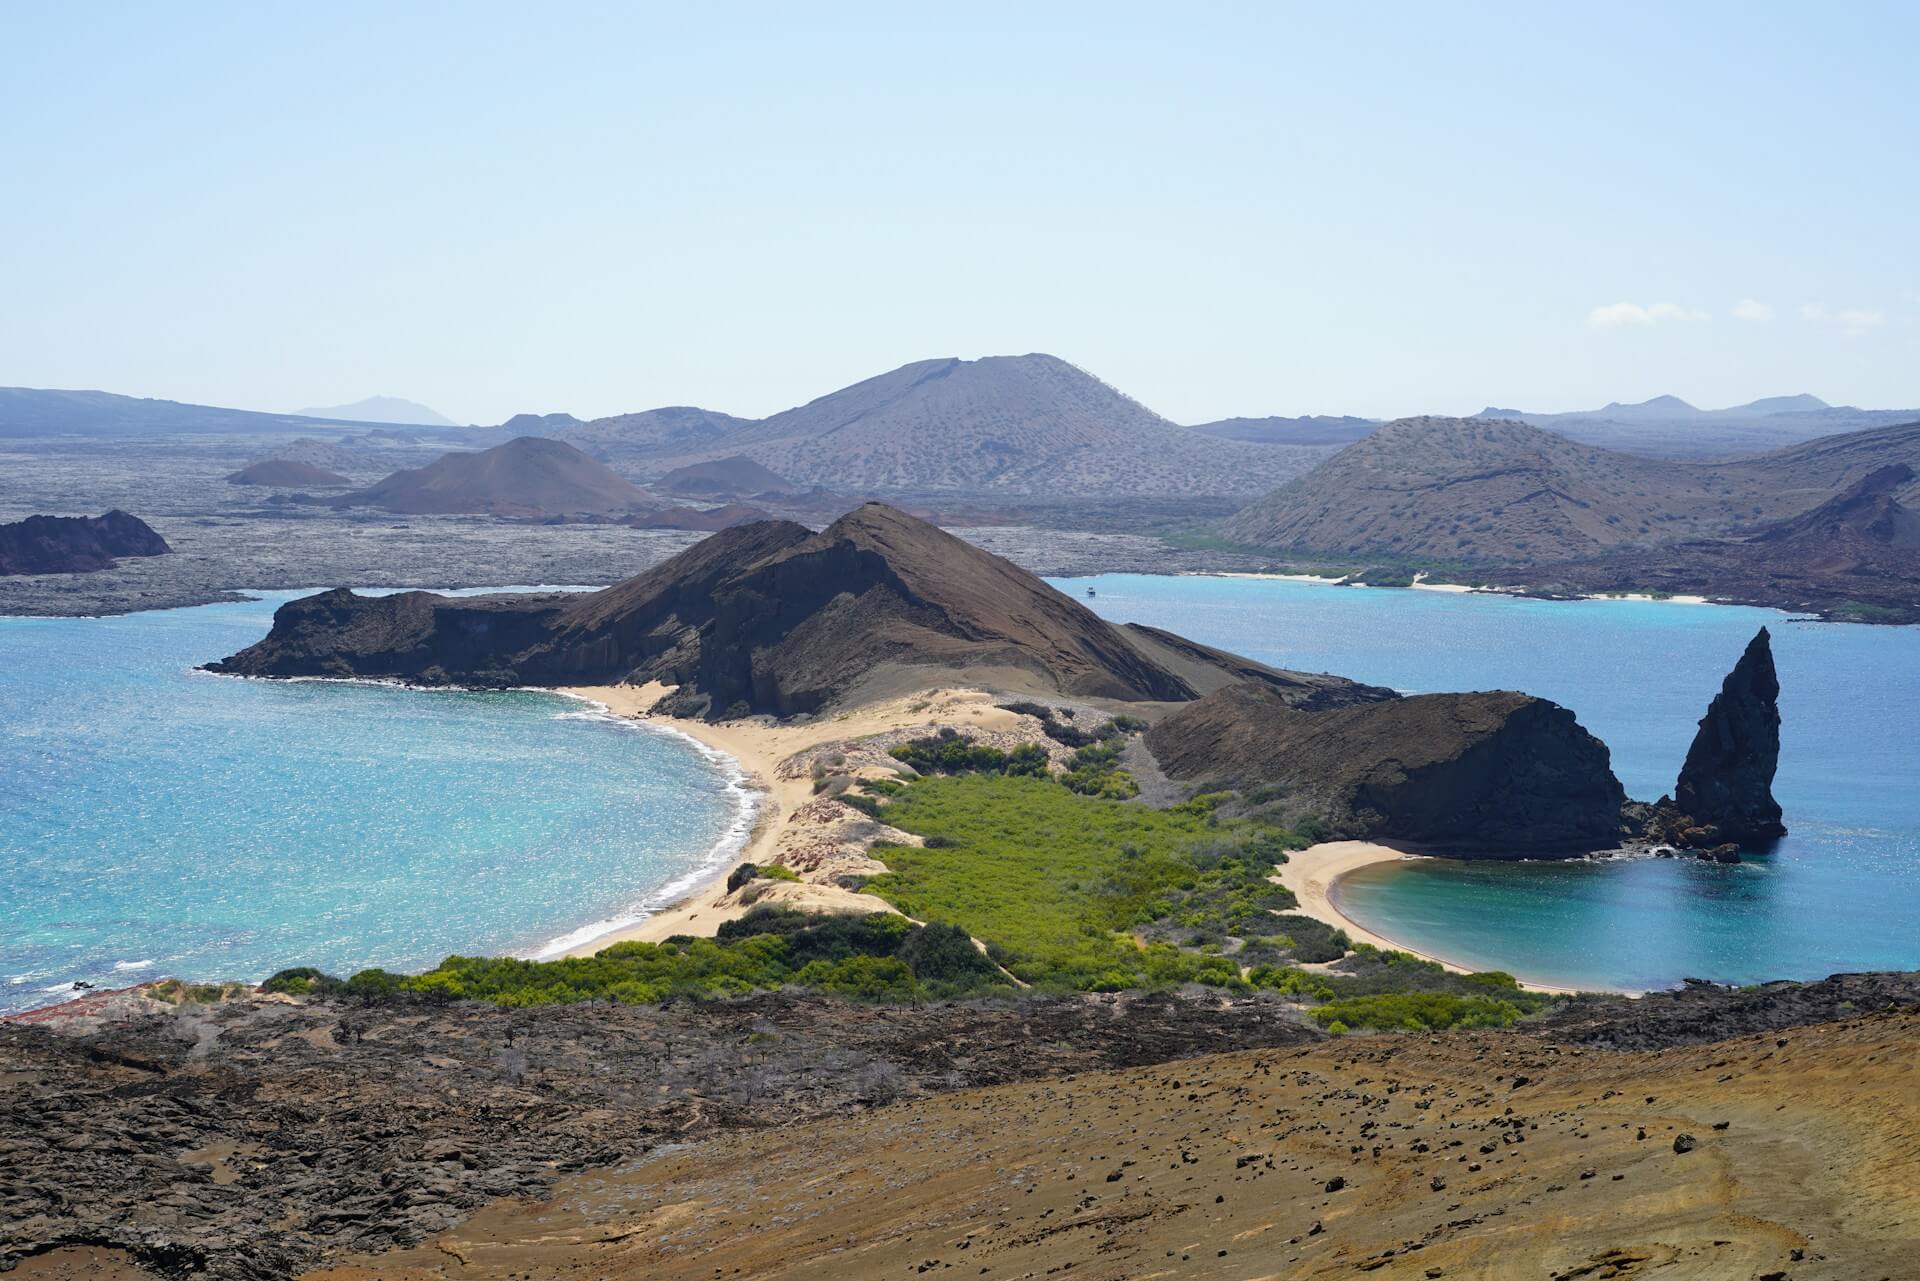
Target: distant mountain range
<point x="35" y="411"/>
<point x="1317" y="429"/>
<point x="1015" y="425"/>
<point x="382" y="409"/>
<point x="1668" y="426"/>
<point x="1664" y="427"/>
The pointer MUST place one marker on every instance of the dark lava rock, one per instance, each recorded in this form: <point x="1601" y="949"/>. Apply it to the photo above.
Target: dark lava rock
<point x="1725" y="792"/>
<point x="1699" y="1012"/>
<point x="75" y="544"/>
<point x="1683" y="1143"/>
<point x="763" y="617"/>
<point x="253" y="1138"/>
<point x="1487" y="773"/>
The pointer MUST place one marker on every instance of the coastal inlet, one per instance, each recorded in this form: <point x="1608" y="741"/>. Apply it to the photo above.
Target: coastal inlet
<point x="158" y="821"/>
<point x="1841" y="893"/>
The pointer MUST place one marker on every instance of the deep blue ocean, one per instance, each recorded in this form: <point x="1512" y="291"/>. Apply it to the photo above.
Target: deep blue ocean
<point x="1841" y="893"/>
<point x="156" y="820"/>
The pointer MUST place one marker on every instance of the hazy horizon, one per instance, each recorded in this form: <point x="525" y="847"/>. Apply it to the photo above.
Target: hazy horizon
<point x="313" y="411"/>
<point x="1226" y="212"/>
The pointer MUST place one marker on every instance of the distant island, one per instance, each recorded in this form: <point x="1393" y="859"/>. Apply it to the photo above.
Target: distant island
<point x="1825" y="526"/>
<point x="382" y="409"/>
<point x="75" y="544"/>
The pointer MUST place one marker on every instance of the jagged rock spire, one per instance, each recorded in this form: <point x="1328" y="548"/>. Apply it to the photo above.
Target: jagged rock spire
<point x="1726" y="784"/>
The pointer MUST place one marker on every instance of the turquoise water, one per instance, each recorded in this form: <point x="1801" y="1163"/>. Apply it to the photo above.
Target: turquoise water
<point x="155" y="820"/>
<point x="1841" y="893"/>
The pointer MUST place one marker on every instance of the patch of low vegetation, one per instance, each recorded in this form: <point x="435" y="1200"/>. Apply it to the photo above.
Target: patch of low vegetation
<point x="175" y="992"/>
<point x="1415" y="1012"/>
<point x="868" y="957"/>
<point x="1855" y="611"/>
<point x="1095" y="771"/>
<point x="1291" y="937"/>
<point x="1054" y="881"/>
<point x="950" y="752"/>
<point x="1058" y="724"/>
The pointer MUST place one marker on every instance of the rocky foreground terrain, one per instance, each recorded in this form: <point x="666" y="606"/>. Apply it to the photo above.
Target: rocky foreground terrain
<point x="1704" y="1133"/>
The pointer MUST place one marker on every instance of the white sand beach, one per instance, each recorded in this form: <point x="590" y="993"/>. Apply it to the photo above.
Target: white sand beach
<point x="791" y="816"/>
<point x="1312" y="872"/>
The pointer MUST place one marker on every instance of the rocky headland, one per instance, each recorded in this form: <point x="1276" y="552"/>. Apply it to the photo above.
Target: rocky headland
<point x="773" y="617"/>
<point x="1486" y="773"/>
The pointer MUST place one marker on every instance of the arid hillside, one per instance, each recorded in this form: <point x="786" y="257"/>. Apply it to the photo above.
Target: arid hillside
<point x="652" y="433"/>
<point x="527" y="476"/>
<point x="1498" y="491"/>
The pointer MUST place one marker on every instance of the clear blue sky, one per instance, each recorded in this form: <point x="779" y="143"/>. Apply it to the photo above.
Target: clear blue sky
<point x="1222" y="209"/>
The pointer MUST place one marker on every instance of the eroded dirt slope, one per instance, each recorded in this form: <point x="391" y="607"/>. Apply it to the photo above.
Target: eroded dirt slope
<point x="1788" y="1155"/>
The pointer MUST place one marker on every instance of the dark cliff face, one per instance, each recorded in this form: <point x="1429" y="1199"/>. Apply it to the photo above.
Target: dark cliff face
<point x="1494" y="774"/>
<point x="1725" y="792"/>
<point x="75" y="544"/>
<point x="769" y="616"/>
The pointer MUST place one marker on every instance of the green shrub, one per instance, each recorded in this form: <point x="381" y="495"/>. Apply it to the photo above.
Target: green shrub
<point x="1416" y="1011"/>
<point x="300" y="980"/>
<point x="865" y="978"/>
<point x="944" y="958"/>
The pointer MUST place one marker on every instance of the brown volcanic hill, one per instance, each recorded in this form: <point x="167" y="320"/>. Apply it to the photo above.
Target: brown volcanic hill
<point x="1488" y="490"/>
<point x="674" y="430"/>
<point x="284" y="473"/>
<point x="1489" y="773"/>
<point x="734" y="477"/>
<point x="75" y="544"/>
<point x="770" y="616"/>
<point x="528" y="476"/>
<point x="1867" y="511"/>
<point x="1475" y="489"/>
<point x="1029" y="424"/>
<point x="1855" y="556"/>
